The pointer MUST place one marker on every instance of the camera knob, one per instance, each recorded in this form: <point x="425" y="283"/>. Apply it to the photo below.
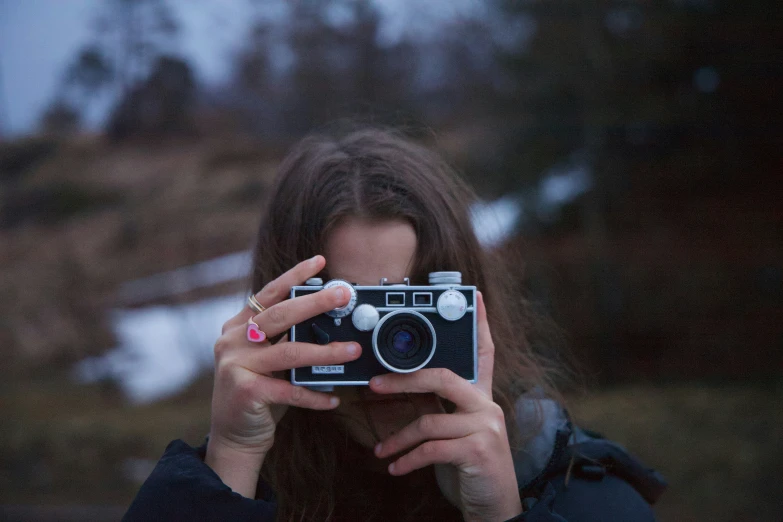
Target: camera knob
<point x="348" y="308"/>
<point x="452" y="305"/>
<point x="314" y="281"/>
<point x="365" y="317"/>
<point x="445" y="278"/>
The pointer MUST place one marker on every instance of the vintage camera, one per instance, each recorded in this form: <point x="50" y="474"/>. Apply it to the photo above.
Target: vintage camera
<point x="401" y="328"/>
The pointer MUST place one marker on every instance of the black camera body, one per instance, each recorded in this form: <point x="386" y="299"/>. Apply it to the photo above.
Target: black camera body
<point x="401" y="328"/>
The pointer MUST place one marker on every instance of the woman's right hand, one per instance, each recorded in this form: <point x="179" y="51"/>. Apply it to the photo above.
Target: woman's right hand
<point x="250" y="395"/>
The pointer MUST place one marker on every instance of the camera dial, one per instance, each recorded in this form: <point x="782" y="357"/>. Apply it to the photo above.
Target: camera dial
<point x="348" y="308"/>
<point x="452" y="305"/>
<point x="445" y="278"/>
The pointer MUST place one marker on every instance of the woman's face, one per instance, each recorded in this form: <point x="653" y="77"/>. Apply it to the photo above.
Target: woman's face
<point x="363" y="252"/>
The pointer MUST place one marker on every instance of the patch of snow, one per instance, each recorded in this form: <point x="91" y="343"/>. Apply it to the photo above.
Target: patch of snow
<point x="223" y="269"/>
<point x="560" y="186"/>
<point x="161" y="348"/>
<point x="496" y="221"/>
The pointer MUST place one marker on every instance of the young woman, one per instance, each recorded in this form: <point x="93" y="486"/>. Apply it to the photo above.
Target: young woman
<point x="426" y="445"/>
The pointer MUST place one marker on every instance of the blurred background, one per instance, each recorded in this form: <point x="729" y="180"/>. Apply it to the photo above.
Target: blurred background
<point x="631" y="150"/>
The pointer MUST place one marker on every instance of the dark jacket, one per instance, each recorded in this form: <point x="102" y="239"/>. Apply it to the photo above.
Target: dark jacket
<point x="565" y="473"/>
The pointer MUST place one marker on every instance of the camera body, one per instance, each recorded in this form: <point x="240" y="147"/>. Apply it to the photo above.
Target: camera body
<point x="401" y="328"/>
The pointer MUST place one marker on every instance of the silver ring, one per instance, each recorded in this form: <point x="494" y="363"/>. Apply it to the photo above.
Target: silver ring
<point x="254" y="305"/>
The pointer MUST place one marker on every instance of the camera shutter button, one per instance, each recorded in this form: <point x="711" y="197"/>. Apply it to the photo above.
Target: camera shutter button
<point x="365" y="317"/>
<point x="452" y="305"/>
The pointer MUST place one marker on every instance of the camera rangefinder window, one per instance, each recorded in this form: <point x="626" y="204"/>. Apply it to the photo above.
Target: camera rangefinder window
<point x="422" y="299"/>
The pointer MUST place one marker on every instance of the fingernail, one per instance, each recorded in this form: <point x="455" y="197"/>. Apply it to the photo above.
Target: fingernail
<point x="377" y="381"/>
<point x="378" y="448"/>
<point x="391" y="467"/>
<point x="352" y="349"/>
<point x="334" y="401"/>
<point x="314" y="260"/>
<point x="339" y="294"/>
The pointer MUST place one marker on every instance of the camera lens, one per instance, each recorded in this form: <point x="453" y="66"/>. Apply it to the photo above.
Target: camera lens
<point x="404" y="341"/>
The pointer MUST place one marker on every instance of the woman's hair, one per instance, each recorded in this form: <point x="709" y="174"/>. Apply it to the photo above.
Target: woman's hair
<point x="379" y="175"/>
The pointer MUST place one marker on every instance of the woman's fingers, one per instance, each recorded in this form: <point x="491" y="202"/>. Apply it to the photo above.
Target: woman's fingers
<point x="285" y="356"/>
<point x="279" y="289"/>
<point x="269" y="390"/>
<point x="233" y="349"/>
<point x="486" y="349"/>
<point x="429" y="427"/>
<point x="440" y="381"/>
<point x="282" y="316"/>
<point x="449" y="451"/>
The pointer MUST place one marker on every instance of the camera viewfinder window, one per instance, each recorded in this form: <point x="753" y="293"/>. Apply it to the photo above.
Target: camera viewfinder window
<point x="422" y="299"/>
<point x="395" y="299"/>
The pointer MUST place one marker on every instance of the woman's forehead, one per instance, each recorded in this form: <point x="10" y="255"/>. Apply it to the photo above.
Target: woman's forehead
<point x="363" y="252"/>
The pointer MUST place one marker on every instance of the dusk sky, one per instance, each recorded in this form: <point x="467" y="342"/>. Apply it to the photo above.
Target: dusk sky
<point x="38" y="38"/>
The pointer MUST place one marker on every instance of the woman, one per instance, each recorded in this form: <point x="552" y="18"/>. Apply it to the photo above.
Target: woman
<point x="425" y="445"/>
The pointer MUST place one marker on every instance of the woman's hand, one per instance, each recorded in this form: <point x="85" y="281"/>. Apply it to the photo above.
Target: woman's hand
<point x="250" y="395"/>
<point x="469" y="447"/>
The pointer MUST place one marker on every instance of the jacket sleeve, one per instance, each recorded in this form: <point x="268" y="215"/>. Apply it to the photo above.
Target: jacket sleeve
<point x="586" y="500"/>
<point x="183" y="487"/>
<point x="595" y="480"/>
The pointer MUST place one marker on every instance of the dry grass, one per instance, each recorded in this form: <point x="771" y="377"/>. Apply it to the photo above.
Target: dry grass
<point x="65" y="444"/>
<point x="718" y="446"/>
<point x="83" y="218"/>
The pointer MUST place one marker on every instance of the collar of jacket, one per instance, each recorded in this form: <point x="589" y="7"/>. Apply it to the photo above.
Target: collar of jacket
<point x="560" y="447"/>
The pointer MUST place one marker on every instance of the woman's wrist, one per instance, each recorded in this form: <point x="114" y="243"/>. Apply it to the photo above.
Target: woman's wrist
<point x="499" y="516"/>
<point x="513" y="510"/>
<point x="507" y="508"/>
<point x="237" y="469"/>
<point x="513" y="505"/>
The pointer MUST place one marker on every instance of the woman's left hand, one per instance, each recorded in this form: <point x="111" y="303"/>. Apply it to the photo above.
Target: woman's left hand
<point x="469" y="447"/>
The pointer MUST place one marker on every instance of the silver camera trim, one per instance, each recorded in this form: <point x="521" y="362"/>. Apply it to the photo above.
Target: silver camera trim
<point x="378" y="328"/>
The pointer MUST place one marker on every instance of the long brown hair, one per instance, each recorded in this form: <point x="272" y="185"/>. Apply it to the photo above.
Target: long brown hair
<point x="378" y="174"/>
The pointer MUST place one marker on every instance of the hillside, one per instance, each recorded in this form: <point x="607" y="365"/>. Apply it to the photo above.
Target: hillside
<point x="81" y="217"/>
